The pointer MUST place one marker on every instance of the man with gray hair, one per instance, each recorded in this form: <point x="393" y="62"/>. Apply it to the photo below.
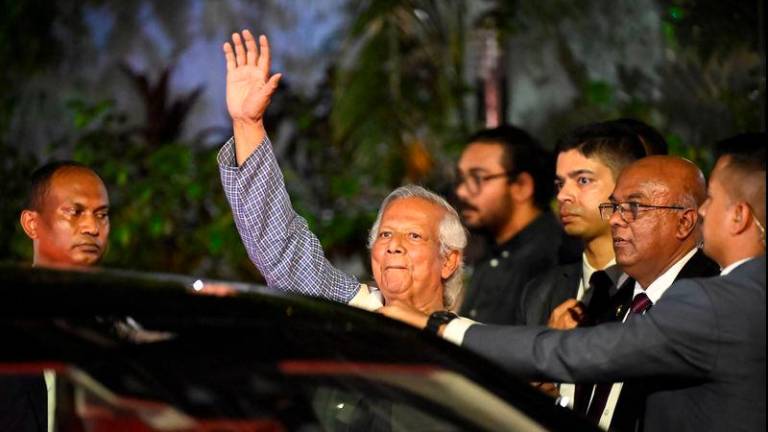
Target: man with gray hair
<point x="451" y="235"/>
<point x="416" y="242"/>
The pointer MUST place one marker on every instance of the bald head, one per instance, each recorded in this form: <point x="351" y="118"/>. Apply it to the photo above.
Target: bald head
<point x="667" y="192"/>
<point x="679" y="179"/>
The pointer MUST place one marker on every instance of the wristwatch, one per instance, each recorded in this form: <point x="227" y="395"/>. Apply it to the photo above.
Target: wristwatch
<point x="436" y="319"/>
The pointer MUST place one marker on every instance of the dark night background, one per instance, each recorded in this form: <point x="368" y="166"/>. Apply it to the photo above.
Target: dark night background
<point x="375" y="94"/>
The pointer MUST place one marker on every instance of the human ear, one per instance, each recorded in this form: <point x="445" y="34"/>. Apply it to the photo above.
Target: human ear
<point x="450" y="264"/>
<point x="29" y="220"/>
<point x="687" y="222"/>
<point x="522" y="187"/>
<point x="739" y="218"/>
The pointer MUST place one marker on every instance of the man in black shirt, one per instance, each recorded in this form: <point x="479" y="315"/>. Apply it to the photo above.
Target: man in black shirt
<point x="504" y="187"/>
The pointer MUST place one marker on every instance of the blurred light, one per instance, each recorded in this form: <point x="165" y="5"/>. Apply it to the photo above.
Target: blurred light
<point x="676" y="13"/>
<point x="198" y="285"/>
<point x="340" y="406"/>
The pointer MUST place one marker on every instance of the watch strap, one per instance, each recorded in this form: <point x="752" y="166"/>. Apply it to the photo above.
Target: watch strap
<point x="436" y="319"/>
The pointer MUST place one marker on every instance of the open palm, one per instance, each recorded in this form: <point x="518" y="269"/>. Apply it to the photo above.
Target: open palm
<point x="249" y="86"/>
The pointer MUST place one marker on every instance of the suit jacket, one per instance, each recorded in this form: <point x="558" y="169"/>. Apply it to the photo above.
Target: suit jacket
<point x="701" y="348"/>
<point x="699" y="265"/>
<point x="630" y="408"/>
<point x="543" y="294"/>
<point x="23" y="403"/>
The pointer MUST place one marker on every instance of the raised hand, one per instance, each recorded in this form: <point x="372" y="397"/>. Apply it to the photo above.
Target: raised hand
<point x="249" y="86"/>
<point x="249" y="89"/>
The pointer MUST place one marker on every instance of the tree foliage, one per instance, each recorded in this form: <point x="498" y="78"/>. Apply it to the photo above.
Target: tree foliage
<point x="393" y="106"/>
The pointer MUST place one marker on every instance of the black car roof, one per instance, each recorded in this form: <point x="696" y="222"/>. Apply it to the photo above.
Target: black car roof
<point x="120" y="326"/>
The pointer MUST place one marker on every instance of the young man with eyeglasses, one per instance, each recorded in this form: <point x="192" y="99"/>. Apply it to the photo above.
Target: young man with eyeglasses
<point x="504" y="187"/>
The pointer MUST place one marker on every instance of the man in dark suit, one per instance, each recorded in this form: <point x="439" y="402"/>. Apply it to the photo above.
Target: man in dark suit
<point x="589" y="160"/>
<point x="701" y="349"/>
<point x="654" y="249"/>
<point x="66" y="216"/>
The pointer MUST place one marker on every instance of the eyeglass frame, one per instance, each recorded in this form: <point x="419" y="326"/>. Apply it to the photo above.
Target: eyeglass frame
<point x="634" y="209"/>
<point x="480" y="180"/>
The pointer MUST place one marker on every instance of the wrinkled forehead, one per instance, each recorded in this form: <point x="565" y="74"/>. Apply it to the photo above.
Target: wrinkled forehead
<point x="413" y="211"/>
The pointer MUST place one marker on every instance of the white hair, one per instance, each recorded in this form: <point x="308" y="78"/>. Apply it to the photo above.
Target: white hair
<point x="452" y="235"/>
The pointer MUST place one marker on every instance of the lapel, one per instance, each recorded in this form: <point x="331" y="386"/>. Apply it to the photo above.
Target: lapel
<point x="698" y="266"/>
<point x="571" y="278"/>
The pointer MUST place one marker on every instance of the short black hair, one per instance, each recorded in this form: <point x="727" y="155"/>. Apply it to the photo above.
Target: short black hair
<point x="40" y="181"/>
<point x="746" y="157"/>
<point x="654" y="142"/>
<point x="523" y="153"/>
<point x="616" y="144"/>
<point x="746" y="151"/>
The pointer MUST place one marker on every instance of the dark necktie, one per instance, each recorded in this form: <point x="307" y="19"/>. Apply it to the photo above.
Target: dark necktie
<point x="640" y="304"/>
<point x="599" y="285"/>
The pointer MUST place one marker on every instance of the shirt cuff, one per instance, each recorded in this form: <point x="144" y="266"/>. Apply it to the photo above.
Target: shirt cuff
<point x="454" y="331"/>
<point x="227" y="158"/>
<point x="366" y="299"/>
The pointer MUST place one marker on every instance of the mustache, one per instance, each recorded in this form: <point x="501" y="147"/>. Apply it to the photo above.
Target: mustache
<point x="463" y="205"/>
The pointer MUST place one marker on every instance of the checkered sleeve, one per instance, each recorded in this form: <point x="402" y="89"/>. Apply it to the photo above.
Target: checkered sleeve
<point x="277" y="239"/>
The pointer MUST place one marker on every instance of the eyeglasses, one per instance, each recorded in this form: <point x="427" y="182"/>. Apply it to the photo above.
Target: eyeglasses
<point x="474" y="181"/>
<point x="629" y="210"/>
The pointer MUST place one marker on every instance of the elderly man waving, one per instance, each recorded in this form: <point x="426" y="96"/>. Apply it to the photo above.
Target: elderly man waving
<point x="416" y="242"/>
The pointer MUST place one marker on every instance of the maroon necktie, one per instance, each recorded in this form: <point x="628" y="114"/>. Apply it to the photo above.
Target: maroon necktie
<point x="640" y="304"/>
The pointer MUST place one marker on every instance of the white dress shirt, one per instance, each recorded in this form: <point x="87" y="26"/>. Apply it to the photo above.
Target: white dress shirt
<point x="731" y="267"/>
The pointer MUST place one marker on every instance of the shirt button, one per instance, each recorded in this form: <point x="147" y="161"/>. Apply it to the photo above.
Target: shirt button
<point x="505" y="254"/>
<point x="494" y="262"/>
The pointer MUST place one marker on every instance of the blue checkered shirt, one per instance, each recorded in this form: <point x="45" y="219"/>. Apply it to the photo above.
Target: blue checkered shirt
<point x="278" y="241"/>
